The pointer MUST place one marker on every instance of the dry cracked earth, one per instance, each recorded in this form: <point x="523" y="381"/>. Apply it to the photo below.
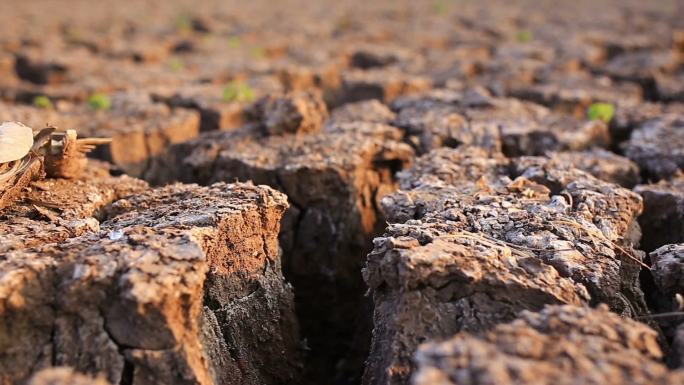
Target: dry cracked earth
<point x="348" y="192"/>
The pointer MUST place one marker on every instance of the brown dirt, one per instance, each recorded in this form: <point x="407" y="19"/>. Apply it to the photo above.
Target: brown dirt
<point x="428" y="173"/>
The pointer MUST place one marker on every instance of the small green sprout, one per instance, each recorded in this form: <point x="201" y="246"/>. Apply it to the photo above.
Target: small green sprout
<point x="524" y="36"/>
<point x="238" y="92"/>
<point x="234" y="42"/>
<point x="257" y="52"/>
<point x="601" y="111"/>
<point x="42" y="101"/>
<point x="183" y="24"/>
<point x="99" y="102"/>
<point x="440" y="7"/>
<point x="176" y="64"/>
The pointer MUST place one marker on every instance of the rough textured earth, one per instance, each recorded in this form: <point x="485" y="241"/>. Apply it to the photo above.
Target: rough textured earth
<point x="657" y="146"/>
<point x="64" y="376"/>
<point x="663" y="219"/>
<point x="174" y="285"/>
<point x="334" y="180"/>
<point x="361" y="178"/>
<point x="469" y="247"/>
<point x="557" y="345"/>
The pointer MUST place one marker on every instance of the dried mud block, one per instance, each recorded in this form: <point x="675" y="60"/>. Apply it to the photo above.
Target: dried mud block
<point x="666" y="286"/>
<point x="667" y="266"/>
<point x="381" y="84"/>
<point x="602" y="164"/>
<point x="670" y="88"/>
<point x="564" y="222"/>
<point x="140" y="129"/>
<point x="518" y="127"/>
<point x="34" y="69"/>
<point x="181" y="285"/>
<point x="375" y="56"/>
<point x="630" y="116"/>
<point x="462" y="168"/>
<point x="333" y="180"/>
<point x="435" y="126"/>
<point x="453" y="282"/>
<point x="64" y="376"/>
<point x="371" y="111"/>
<point x="575" y="93"/>
<point x="295" y="112"/>
<point x="640" y="67"/>
<point x="530" y="129"/>
<point x="216" y="111"/>
<point x="559" y="345"/>
<point x="657" y="146"/>
<point x="663" y="218"/>
<point x="52" y="210"/>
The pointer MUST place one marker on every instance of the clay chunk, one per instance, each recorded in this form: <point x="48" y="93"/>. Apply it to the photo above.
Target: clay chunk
<point x="657" y="146"/>
<point x="180" y="285"/>
<point x="663" y="218"/>
<point x="468" y="230"/>
<point x="668" y="268"/>
<point x="558" y="345"/>
<point x="296" y="112"/>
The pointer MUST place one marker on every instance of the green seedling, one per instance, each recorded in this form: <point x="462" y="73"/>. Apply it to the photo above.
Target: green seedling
<point x="440" y="7"/>
<point x="183" y="24"/>
<point x="523" y="36"/>
<point x="234" y="42"/>
<point x="601" y="111"/>
<point x="257" y="52"/>
<point x="42" y="101"/>
<point x="176" y="64"/>
<point x="99" y="102"/>
<point x="238" y="92"/>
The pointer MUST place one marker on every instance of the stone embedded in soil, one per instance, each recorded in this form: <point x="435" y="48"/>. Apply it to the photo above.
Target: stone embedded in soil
<point x="662" y="221"/>
<point x="333" y="180"/>
<point x="179" y="285"/>
<point x="558" y="345"/>
<point x="295" y="112"/>
<point x="64" y="376"/>
<point x="657" y="146"/>
<point x="555" y="224"/>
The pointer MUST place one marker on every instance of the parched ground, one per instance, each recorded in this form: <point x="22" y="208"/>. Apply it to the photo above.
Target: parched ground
<point x="347" y="192"/>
